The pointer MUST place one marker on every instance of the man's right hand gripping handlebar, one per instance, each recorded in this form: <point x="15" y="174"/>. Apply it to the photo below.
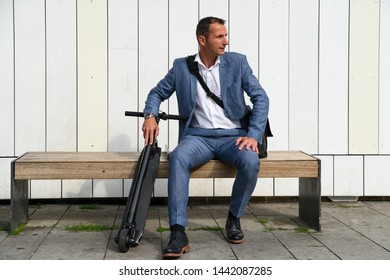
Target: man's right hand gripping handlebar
<point x="150" y="130"/>
<point x="150" y="127"/>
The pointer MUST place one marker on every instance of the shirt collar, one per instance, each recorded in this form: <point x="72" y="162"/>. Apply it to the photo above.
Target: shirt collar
<point x="197" y="59"/>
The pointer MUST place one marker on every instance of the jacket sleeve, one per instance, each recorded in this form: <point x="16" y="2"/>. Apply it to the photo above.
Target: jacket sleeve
<point x="259" y="100"/>
<point x="162" y="91"/>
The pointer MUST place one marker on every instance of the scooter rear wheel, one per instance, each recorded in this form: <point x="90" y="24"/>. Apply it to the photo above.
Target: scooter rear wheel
<point x="124" y="240"/>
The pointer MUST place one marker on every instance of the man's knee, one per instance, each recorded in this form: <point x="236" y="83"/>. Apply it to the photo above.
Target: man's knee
<point x="181" y="159"/>
<point x="176" y="157"/>
<point x="249" y="161"/>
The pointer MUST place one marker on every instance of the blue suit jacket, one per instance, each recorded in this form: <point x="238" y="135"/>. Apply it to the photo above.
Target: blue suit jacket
<point x="236" y="77"/>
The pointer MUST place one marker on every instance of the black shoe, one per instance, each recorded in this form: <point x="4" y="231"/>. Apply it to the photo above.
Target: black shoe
<point x="233" y="230"/>
<point x="177" y="245"/>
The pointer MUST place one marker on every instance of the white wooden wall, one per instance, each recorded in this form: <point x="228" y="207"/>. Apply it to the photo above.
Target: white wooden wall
<point x="69" y="70"/>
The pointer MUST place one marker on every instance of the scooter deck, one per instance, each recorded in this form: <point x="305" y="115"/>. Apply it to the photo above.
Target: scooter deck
<point x="137" y="205"/>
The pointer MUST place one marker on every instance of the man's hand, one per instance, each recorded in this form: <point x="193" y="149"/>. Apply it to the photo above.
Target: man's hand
<point x="247" y="143"/>
<point x="150" y="129"/>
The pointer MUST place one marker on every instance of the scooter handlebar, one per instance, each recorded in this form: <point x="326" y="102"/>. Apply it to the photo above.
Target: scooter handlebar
<point x="161" y="116"/>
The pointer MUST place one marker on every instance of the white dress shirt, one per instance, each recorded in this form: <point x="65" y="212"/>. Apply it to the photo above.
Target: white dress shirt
<point x="209" y="114"/>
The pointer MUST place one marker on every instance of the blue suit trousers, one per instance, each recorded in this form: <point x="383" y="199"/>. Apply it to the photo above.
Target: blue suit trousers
<point x="197" y="148"/>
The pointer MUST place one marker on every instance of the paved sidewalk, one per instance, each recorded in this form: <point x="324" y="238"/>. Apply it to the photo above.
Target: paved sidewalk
<point x="350" y="231"/>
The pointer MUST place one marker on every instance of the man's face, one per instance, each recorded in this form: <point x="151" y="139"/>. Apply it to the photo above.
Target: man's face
<point x="217" y="39"/>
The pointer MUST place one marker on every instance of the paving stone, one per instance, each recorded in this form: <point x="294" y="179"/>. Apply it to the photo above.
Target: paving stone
<point x="380" y="206"/>
<point x="347" y="243"/>
<point x="261" y="246"/>
<point x="4" y="216"/>
<point x="3" y="235"/>
<point x="77" y="214"/>
<point x="23" y="245"/>
<point x="148" y="249"/>
<point x="46" y="215"/>
<point x="303" y="246"/>
<point x="208" y="245"/>
<point x="68" y="245"/>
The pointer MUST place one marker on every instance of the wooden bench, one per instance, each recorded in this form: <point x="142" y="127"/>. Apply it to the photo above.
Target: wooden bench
<point x="111" y="165"/>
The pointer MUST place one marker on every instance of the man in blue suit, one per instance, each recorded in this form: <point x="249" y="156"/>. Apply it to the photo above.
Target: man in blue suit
<point x="210" y="131"/>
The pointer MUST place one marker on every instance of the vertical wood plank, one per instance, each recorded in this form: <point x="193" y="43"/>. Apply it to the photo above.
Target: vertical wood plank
<point x="153" y="56"/>
<point x="127" y="186"/>
<point x="363" y="79"/>
<point x="303" y="76"/>
<point x="29" y="76"/>
<point x="244" y="31"/>
<point x="286" y="186"/>
<point x="216" y="8"/>
<point x="273" y="49"/>
<point x="182" y="27"/>
<point x="327" y="178"/>
<point x="376" y="175"/>
<point x="76" y="188"/>
<point x="182" y="42"/>
<point x="348" y="176"/>
<point x="6" y="79"/>
<point x="107" y="188"/>
<point x="264" y="187"/>
<point x="223" y="186"/>
<point x="123" y="131"/>
<point x="92" y="75"/>
<point x="333" y="81"/>
<point x="201" y="187"/>
<point x="160" y="188"/>
<point x="45" y="189"/>
<point x="5" y="178"/>
<point x="384" y="81"/>
<point x="61" y="75"/>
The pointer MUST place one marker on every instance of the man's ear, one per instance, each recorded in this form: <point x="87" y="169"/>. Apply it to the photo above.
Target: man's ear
<point x="202" y="40"/>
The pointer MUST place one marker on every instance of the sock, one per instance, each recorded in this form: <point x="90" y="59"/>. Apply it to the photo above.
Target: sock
<point x="231" y="216"/>
<point x="178" y="228"/>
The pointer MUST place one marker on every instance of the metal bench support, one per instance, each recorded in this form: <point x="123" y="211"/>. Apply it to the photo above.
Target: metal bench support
<point x="310" y="200"/>
<point x="19" y="200"/>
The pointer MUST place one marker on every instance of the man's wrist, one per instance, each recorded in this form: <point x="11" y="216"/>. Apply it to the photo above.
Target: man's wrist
<point x="149" y="115"/>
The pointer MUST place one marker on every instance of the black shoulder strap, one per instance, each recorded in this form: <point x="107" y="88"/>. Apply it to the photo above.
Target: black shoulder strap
<point x="194" y="70"/>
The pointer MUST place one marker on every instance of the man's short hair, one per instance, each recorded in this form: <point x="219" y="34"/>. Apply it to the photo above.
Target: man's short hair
<point x="202" y="29"/>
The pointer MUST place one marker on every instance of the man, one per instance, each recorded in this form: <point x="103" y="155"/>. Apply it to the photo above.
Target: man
<point x="210" y="131"/>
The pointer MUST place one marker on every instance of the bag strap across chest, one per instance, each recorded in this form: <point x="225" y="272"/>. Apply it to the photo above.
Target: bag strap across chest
<point x="194" y="70"/>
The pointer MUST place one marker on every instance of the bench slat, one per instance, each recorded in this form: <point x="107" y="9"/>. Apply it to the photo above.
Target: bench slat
<point x="111" y="165"/>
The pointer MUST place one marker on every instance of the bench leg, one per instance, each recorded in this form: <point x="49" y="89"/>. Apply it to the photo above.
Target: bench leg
<point x="19" y="201"/>
<point x="310" y="201"/>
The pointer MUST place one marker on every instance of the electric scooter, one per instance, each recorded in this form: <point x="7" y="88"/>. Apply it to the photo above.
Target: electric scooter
<point x="137" y="205"/>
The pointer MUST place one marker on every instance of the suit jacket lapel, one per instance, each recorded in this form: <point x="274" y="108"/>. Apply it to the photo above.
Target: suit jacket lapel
<point x="223" y="77"/>
<point x="193" y="89"/>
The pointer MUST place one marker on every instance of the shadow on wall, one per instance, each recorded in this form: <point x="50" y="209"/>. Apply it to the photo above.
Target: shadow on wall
<point x="124" y="143"/>
<point x="110" y="188"/>
<point x="103" y="188"/>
